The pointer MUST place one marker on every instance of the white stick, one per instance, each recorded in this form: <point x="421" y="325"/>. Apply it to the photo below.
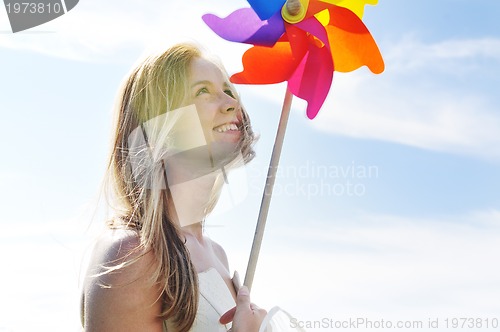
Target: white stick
<point x="268" y="190"/>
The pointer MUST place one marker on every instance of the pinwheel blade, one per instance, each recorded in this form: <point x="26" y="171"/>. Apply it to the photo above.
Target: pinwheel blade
<point x="266" y="8"/>
<point x="313" y="78"/>
<point x="351" y="43"/>
<point x="264" y="65"/>
<point x="251" y="29"/>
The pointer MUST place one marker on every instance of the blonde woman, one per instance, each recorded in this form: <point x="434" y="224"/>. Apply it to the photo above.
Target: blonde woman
<point x="179" y="126"/>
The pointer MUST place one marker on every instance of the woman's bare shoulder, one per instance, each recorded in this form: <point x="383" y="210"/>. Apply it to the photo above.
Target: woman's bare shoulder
<point x="114" y="247"/>
<point x="118" y="292"/>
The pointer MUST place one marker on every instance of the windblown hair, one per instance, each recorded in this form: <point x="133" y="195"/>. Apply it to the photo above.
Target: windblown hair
<point x="157" y="85"/>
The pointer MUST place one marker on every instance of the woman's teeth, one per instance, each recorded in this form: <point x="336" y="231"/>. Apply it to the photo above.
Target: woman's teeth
<point x="225" y="127"/>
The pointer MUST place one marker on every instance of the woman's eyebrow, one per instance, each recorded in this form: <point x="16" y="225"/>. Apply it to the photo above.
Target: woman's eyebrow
<point x="204" y="82"/>
<point x="207" y="82"/>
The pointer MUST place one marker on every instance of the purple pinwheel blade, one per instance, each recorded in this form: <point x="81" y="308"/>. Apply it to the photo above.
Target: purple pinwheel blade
<point x="266" y="8"/>
<point x="244" y="26"/>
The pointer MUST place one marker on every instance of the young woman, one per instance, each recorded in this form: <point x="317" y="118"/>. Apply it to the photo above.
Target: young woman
<point x="179" y="126"/>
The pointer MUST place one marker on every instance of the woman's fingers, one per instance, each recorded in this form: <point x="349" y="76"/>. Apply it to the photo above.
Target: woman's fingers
<point x="243" y="297"/>
<point x="246" y="316"/>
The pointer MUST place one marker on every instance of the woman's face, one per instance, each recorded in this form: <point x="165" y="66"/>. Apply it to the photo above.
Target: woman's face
<point x="219" y="111"/>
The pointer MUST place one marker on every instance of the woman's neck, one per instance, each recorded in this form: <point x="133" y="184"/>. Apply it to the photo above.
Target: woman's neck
<point x="194" y="230"/>
<point x="190" y="200"/>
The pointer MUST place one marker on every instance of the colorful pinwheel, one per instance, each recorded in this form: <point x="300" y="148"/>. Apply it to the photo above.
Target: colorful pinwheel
<point x="305" y="49"/>
<point x="301" y="42"/>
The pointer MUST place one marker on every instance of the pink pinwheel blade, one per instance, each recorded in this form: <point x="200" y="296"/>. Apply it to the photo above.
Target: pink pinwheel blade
<point x="312" y="79"/>
<point x="244" y="26"/>
<point x="266" y="8"/>
<point x="315" y="28"/>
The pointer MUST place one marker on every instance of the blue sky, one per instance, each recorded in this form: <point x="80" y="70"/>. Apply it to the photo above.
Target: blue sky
<point x="417" y="240"/>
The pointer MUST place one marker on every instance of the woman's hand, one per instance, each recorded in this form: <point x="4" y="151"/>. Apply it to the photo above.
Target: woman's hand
<point x="246" y="316"/>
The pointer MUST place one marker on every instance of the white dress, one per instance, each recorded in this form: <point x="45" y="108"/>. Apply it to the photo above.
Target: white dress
<point x="216" y="299"/>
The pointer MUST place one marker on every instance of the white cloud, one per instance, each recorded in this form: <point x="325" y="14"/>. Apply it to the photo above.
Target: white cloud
<point x="431" y="96"/>
<point x="373" y="266"/>
<point x="388" y="267"/>
<point x="43" y="263"/>
<point x="117" y="31"/>
<point x="449" y="55"/>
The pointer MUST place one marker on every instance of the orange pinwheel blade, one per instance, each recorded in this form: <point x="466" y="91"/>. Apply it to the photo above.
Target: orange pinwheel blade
<point x="266" y="65"/>
<point x="351" y="43"/>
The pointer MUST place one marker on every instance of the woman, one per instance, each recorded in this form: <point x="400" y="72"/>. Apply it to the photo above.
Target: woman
<point x="178" y="126"/>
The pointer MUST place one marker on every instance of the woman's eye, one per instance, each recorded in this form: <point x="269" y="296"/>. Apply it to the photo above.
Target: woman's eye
<point x="201" y="91"/>
<point x="229" y="93"/>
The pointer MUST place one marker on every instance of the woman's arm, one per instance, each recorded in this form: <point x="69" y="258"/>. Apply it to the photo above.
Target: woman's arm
<point x="122" y="300"/>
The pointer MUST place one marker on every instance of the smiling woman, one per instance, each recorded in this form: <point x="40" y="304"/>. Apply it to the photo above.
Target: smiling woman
<point x="178" y="126"/>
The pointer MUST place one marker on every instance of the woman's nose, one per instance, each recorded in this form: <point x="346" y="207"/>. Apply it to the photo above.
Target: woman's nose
<point x="229" y="103"/>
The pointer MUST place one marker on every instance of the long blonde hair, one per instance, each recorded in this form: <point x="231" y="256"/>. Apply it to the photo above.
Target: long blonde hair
<point x="157" y="85"/>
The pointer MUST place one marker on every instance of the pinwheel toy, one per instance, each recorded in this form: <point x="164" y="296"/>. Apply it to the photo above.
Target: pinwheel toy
<point x="301" y="42"/>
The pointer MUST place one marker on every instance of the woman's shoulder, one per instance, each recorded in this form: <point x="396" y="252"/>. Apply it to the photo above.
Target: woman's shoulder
<point x="118" y="258"/>
<point x="116" y="244"/>
<point x="119" y="290"/>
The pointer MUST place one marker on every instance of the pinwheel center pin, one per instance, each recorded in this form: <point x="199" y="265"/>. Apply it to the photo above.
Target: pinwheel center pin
<point x="294" y="11"/>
